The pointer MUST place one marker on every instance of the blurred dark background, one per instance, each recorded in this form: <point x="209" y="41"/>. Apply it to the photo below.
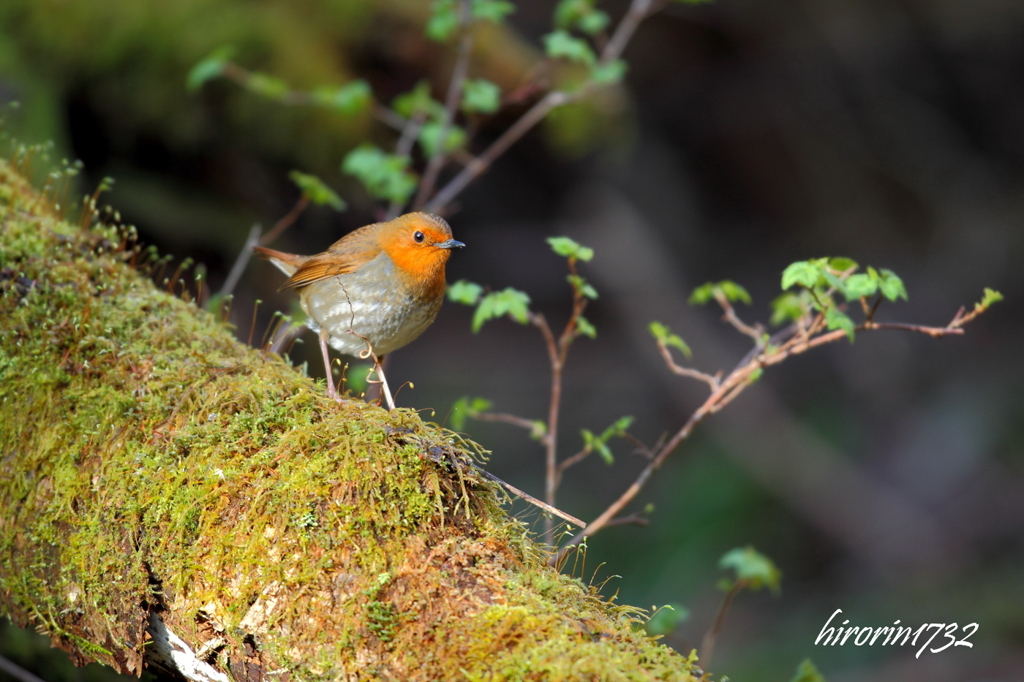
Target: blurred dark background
<point x="885" y="478"/>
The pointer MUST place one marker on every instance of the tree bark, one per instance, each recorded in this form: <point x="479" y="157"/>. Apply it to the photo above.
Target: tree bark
<point x="173" y="499"/>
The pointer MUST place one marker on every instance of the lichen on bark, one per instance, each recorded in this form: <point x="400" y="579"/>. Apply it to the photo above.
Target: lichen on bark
<point x="151" y="464"/>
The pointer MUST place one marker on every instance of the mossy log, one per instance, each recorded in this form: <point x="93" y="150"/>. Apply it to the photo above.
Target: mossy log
<point x="171" y="498"/>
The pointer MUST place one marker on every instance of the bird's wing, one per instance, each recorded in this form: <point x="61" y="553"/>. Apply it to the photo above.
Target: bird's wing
<point x="344" y="256"/>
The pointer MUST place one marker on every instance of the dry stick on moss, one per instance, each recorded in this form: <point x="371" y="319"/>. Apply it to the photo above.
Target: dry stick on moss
<point x="707" y="647"/>
<point x="451" y="104"/>
<point x="638" y="10"/>
<point x="729" y="389"/>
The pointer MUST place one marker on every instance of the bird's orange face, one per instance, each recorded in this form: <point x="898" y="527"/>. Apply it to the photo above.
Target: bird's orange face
<point x="419" y="245"/>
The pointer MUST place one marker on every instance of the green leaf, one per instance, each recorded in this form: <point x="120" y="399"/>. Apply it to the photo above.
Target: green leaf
<point x="755" y="375"/>
<point x="807" y="672"/>
<point x="702" y="294"/>
<point x="834" y="282"/>
<point x="418" y="101"/>
<point x="991" y="296"/>
<point x="443" y="21"/>
<point x="842" y="264"/>
<point x="734" y="292"/>
<point x="583" y="286"/>
<point x="560" y="44"/>
<point x="593" y="443"/>
<point x="466" y="293"/>
<point x="891" y="285"/>
<point x="480" y="95"/>
<point x="605" y="452"/>
<point x="539" y="430"/>
<point x="349" y="99"/>
<point x="666" y="619"/>
<point x="568" y="12"/>
<point x="789" y="307"/>
<point x="386" y="176"/>
<point x="583" y="326"/>
<point x="568" y="248"/>
<point x="753" y="568"/>
<point x="607" y="74"/>
<point x="316" y="191"/>
<point x="837" y="319"/>
<point x="266" y="85"/>
<point x="860" y="285"/>
<point x="804" y="273"/>
<point x="594" y="22"/>
<point x="465" y="407"/>
<point x="430" y="135"/>
<point x="209" y="68"/>
<point x="511" y="302"/>
<point x="492" y="10"/>
<point x="617" y="429"/>
<point x="580" y="14"/>
<point x="666" y="338"/>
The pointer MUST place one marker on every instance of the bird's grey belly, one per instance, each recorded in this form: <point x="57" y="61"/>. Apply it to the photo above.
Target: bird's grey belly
<point x="347" y="308"/>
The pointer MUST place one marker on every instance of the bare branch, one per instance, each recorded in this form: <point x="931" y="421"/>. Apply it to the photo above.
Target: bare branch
<point x="712" y="381"/>
<point x="243" y="259"/>
<point x="756" y="332"/>
<point x="638" y="11"/>
<point x="575" y="459"/>
<point x="451" y="104"/>
<point x="727" y="391"/>
<point x="482" y="162"/>
<point x="286" y="221"/>
<point x="708" y="645"/>
<point x="403" y="147"/>
<point x="504" y="418"/>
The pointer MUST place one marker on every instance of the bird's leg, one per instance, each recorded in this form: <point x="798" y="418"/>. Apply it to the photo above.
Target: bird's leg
<point x="378" y="366"/>
<point x="331" y="393"/>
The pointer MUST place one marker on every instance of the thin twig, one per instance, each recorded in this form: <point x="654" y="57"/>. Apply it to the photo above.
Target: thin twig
<point x="708" y="645"/>
<point x="16" y="671"/>
<point x="712" y="381"/>
<point x="482" y="162"/>
<point x="410" y="132"/>
<point x="451" y="104"/>
<point x="533" y="500"/>
<point x="286" y="221"/>
<point x="504" y="418"/>
<point x="241" y="261"/>
<point x="638" y="10"/>
<point x="756" y="332"/>
<point x="727" y="391"/>
<point x="575" y="459"/>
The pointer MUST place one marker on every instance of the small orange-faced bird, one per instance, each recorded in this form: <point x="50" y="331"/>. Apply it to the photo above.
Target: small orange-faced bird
<point x="383" y="283"/>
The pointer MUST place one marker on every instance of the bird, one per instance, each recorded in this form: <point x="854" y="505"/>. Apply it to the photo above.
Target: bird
<point x="374" y="290"/>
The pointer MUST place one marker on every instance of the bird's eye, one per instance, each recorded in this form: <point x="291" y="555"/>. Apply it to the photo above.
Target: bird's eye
<point x="418" y="237"/>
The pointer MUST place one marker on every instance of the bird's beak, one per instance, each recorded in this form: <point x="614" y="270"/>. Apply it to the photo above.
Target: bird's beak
<point x="450" y="244"/>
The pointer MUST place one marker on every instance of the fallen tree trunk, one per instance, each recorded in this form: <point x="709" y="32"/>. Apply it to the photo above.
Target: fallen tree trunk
<point x="174" y="499"/>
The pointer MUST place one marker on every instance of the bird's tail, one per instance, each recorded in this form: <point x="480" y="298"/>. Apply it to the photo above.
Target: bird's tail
<point x="287" y="263"/>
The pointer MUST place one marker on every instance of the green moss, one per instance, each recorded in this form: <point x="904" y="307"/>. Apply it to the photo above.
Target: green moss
<point x="148" y="459"/>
